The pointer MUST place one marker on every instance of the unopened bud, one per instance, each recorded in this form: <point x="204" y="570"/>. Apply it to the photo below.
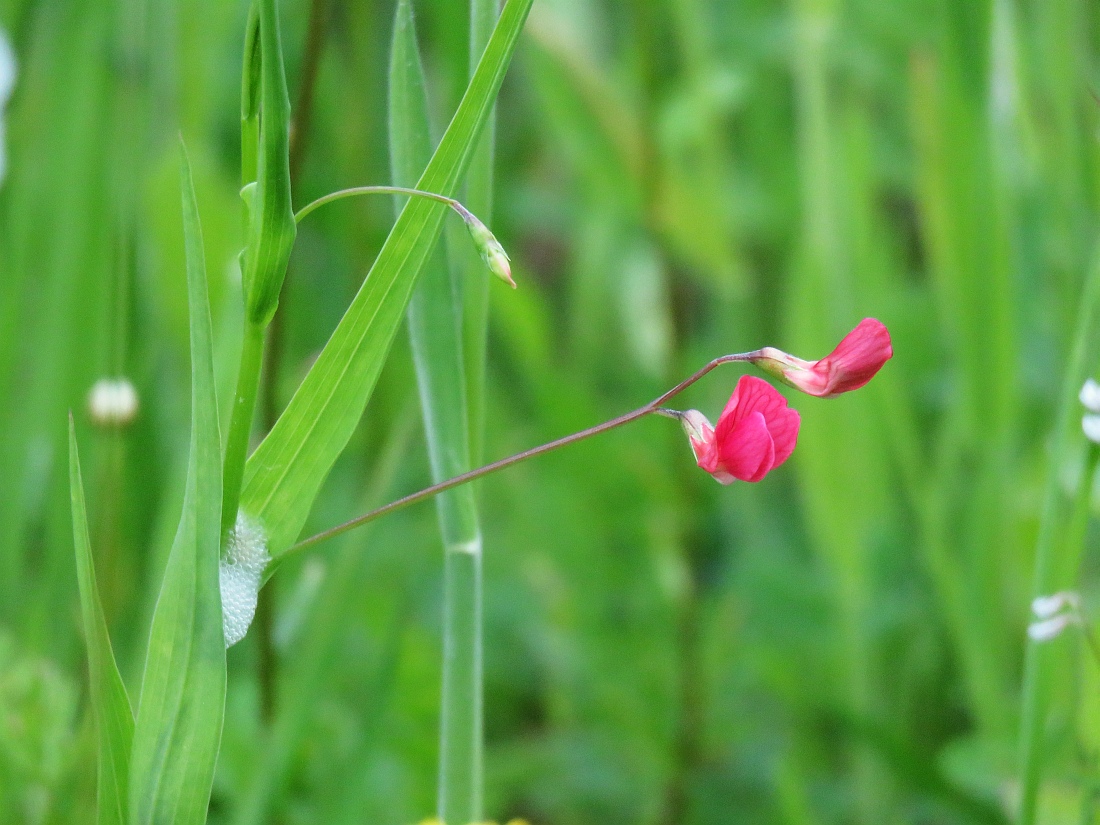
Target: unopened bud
<point x="489" y="248"/>
<point x="112" y="402"/>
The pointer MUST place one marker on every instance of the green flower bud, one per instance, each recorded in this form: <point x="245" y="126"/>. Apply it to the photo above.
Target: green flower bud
<point x="489" y="248"/>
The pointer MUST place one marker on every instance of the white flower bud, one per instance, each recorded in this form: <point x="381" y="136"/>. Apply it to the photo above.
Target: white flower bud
<point x="112" y="402"/>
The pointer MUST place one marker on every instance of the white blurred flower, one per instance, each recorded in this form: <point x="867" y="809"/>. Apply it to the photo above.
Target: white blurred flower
<point x="112" y="402"/>
<point x="1055" y="613"/>
<point x="1090" y="396"/>
<point x="1046" y="606"/>
<point x="1090" y="426"/>
<point x="1049" y="629"/>
<point x="7" y="83"/>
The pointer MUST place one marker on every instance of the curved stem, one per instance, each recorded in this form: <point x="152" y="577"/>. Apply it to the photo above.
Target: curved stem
<point x="380" y="190"/>
<point x="653" y="406"/>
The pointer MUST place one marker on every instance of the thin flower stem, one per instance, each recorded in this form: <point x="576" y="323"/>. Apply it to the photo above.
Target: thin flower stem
<point x="652" y="407"/>
<point x="381" y="190"/>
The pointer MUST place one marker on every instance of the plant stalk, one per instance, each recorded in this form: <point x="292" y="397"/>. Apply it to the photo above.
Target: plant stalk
<point x="1053" y="570"/>
<point x="240" y="421"/>
<point x="413" y="498"/>
<point x="379" y="190"/>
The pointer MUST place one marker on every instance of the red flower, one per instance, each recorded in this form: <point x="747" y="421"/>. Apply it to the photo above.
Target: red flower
<point x="852" y="364"/>
<point x="756" y="433"/>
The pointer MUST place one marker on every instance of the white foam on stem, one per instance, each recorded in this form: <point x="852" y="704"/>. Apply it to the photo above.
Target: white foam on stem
<point x="241" y="572"/>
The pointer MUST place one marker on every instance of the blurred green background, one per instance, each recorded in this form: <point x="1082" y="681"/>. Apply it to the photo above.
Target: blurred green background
<point x="676" y="179"/>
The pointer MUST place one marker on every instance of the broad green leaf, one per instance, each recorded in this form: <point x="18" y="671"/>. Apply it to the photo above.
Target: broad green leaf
<point x="435" y="329"/>
<point x="114" y="720"/>
<point x="179" y="718"/>
<point x="286" y="471"/>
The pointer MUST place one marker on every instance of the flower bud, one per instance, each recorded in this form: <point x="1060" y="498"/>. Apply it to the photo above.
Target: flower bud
<point x="854" y="362"/>
<point x="112" y="402"/>
<point x="489" y="248"/>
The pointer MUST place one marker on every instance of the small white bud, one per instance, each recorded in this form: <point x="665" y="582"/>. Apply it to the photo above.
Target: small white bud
<point x="1048" y="629"/>
<point x="1090" y="396"/>
<point x="112" y="402"/>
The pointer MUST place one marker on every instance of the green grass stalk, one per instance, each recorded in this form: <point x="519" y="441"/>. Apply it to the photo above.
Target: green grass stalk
<point x="240" y="421"/>
<point x="479" y="198"/>
<point x="435" y="324"/>
<point x="1054" y="570"/>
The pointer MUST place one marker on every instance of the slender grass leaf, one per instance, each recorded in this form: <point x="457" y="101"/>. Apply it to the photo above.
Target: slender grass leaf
<point x="286" y="471"/>
<point x="179" y="717"/>
<point x="435" y="329"/>
<point x="114" y="720"/>
<point x="1055" y="562"/>
<point x="434" y="312"/>
<point x="474" y="291"/>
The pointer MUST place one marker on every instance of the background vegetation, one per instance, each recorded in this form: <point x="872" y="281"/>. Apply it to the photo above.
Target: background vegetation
<point x="675" y="180"/>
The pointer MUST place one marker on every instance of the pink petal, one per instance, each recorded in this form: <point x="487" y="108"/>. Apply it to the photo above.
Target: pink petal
<point x="784" y="432"/>
<point x="747" y="452"/>
<point x="751" y="395"/>
<point x="856" y="359"/>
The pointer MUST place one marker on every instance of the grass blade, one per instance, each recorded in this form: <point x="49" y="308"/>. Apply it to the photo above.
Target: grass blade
<point x="474" y="291"/>
<point x="435" y="329"/>
<point x="1053" y="570"/>
<point x="286" y="471"/>
<point x="114" y="720"/>
<point x="179" y="717"/>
